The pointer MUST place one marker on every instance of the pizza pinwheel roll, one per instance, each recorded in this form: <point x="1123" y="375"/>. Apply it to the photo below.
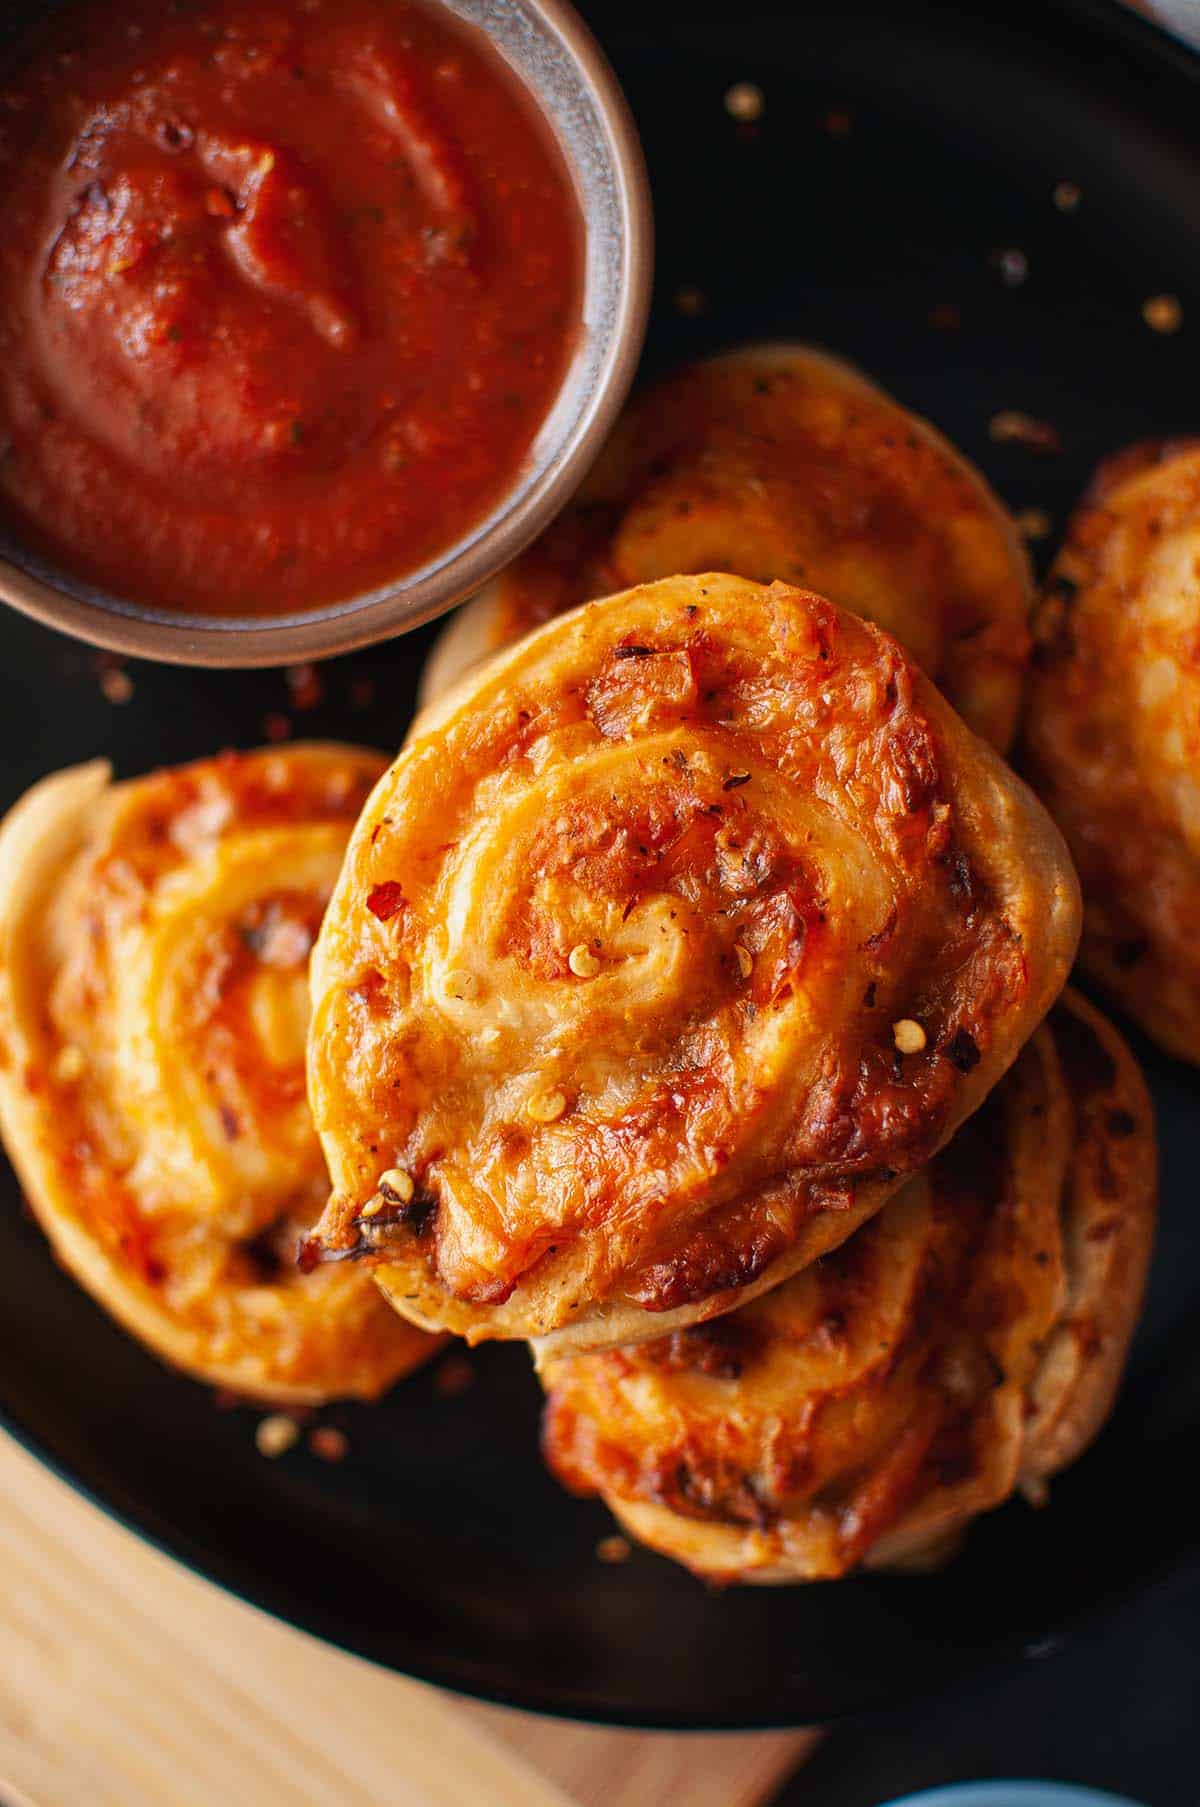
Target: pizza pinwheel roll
<point x="154" y="947"/>
<point x="780" y="461"/>
<point x="1112" y="733"/>
<point x="966" y="1342"/>
<point x="674" y="938"/>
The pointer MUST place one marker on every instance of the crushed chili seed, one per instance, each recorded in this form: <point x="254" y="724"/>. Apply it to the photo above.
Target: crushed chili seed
<point x="1067" y="196"/>
<point x="328" y="1443"/>
<point x="384" y="900"/>
<point x="838" y="122"/>
<point x="547" y="1107"/>
<point x="396" y="1186"/>
<point x="583" y="962"/>
<point x="1163" y="313"/>
<point x="362" y="693"/>
<point x="908" y="1036"/>
<point x="276" y="1434"/>
<point x="116" y="685"/>
<point x="1034" y="524"/>
<point x="614" y="1549"/>
<point x="1011" y="426"/>
<point x="744" y="102"/>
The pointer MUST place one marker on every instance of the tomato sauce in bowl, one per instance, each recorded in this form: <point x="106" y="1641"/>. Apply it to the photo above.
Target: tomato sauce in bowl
<point x="287" y="288"/>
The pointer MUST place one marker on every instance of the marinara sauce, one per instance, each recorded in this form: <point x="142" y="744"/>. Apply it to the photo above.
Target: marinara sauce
<point x="286" y="289"/>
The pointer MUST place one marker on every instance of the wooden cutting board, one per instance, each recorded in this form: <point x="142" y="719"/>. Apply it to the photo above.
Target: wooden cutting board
<point x="125" y="1681"/>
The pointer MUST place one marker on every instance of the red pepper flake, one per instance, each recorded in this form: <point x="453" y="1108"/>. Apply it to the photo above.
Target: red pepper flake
<point x="453" y="1376"/>
<point x="1011" y="427"/>
<point x="385" y="899"/>
<point x="946" y="316"/>
<point x="219" y="204"/>
<point x="690" y="302"/>
<point x="305" y="688"/>
<point x="276" y="726"/>
<point x="838" y="122"/>
<point x="614" y="1549"/>
<point x="362" y="693"/>
<point x="328" y="1443"/>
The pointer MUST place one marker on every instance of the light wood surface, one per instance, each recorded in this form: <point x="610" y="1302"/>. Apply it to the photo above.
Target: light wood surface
<point x="127" y="1682"/>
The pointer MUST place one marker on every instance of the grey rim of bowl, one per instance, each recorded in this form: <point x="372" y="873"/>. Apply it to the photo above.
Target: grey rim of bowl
<point x="542" y="41"/>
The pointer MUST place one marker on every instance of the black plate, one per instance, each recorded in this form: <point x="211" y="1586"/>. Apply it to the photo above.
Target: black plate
<point x="440" y="1546"/>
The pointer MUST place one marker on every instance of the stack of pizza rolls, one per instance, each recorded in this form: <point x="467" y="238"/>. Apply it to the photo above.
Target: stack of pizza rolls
<point x="680" y="1008"/>
<point x="967" y="1341"/>
<point x="689" y="999"/>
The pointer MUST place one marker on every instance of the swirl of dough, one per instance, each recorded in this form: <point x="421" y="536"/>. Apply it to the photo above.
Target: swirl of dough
<point x="673" y="938"/>
<point x="780" y="461"/>
<point x="154" y="946"/>
<point x="1112" y="731"/>
<point x="966" y="1342"/>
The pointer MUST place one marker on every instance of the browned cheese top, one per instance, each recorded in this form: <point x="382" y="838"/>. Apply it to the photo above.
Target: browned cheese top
<point x="779" y="461"/>
<point x="613" y="970"/>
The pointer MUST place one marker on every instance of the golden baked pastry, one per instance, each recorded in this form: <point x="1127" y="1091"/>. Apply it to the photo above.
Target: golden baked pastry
<point x="154" y="947"/>
<point x="672" y="940"/>
<point x="966" y="1342"/>
<point x="1112" y="733"/>
<point x="780" y="461"/>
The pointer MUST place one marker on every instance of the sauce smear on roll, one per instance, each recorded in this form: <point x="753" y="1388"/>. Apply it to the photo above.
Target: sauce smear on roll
<point x="286" y="291"/>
